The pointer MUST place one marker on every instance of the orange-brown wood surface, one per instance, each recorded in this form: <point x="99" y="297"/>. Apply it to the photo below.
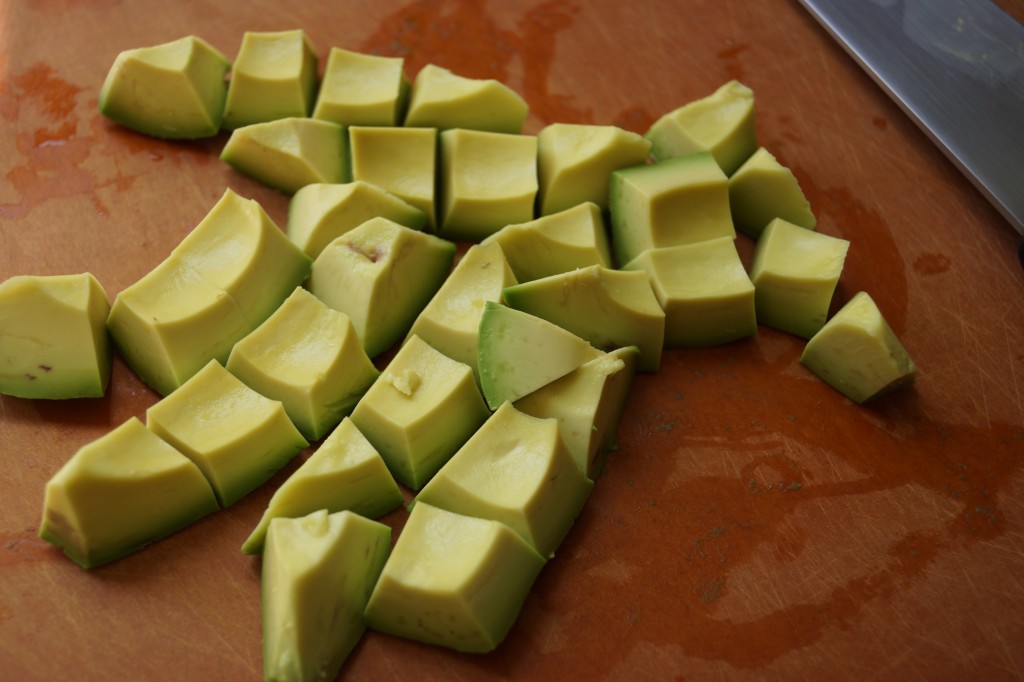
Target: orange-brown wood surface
<point x="753" y="524"/>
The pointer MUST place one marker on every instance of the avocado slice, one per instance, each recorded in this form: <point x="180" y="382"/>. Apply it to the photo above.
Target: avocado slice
<point x="120" y="492"/>
<point x="274" y="76"/>
<point x="402" y="161"/>
<point x="362" y="89"/>
<point x="441" y="99"/>
<point x="317" y="576"/>
<point x="761" y="190"/>
<point x="175" y="90"/>
<point x="53" y="337"/>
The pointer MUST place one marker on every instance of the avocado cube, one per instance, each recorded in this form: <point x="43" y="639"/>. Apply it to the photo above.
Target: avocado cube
<point x="362" y="89"/>
<point x="274" y="76"/>
<point x="762" y="190"/>
<point x="443" y="100"/>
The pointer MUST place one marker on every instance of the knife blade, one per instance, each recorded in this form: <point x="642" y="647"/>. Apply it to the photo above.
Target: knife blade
<point x="956" y="67"/>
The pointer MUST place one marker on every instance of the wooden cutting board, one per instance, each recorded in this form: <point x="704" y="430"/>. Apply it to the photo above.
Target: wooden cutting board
<point x="753" y="523"/>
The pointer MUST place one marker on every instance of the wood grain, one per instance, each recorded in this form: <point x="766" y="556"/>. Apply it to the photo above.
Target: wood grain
<point x="753" y="524"/>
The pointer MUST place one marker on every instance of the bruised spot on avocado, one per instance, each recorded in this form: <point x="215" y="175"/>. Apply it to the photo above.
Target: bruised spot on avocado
<point x="373" y="255"/>
<point x="30" y="377"/>
<point x="46" y="368"/>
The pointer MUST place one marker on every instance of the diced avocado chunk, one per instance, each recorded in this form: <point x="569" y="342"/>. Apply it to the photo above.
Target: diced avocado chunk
<point x="453" y="580"/>
<point x="609" y="308"/>
<point x="289" y="153"/>
<point x="362" y="89"/>
<point x="574" y="162"/>
<point x="451" y="321"/>
<point x="762" y="190"/>
<point x="381" y="274"/>
<point x="120" y="492"/>
<point x="488" y="180"/>
<point x="274" y="76"/>
<point x="441" y="99"/>
<point x="345" y="472"/>
<point x="317" y="576"/>
<point x="722" y="123"/>
<point x="516" y="469"/>
<point x="237" y="437"/>
<point x="705" y="291"/>
<point x="857" y="353"/>
<point x="174" y="91"/>
<point x="679" y="201"/>
<point x="309" y="357"/>
<point x="53" y="337"/>
<point x="402" y="161"/>
<point x="517" y="353"/>
<point x="795" y="272"/>
<point x="420" y="411"/>
<point x="556" y="243"/>
<point x="320" y="213"/>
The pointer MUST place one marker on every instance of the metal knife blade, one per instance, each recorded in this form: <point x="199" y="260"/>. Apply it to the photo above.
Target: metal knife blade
<point x="956" y="67"/>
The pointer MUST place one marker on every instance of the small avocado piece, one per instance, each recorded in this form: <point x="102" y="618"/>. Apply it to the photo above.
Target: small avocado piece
<point x="762" y="190"/>
<point x="274" y="76"/>
<point x="516" y="469"/>
<point x="317" y="576"/>
<point x="575" y="161"/>
<point x="402" y="161"/>
<point x="857" y="353"/>
<point x="215" y="287"/>
<point x="609" y="308"/>
<point x="517" y="353"/>
<point x="556" y="243"/>
<point x="309" y="357"/>
<point x="588" y="403"/>
<point x="420" y="411"/>
<point x="488" y="180"/>
<point x="289" y="153"/>
<point x="53" y="337"/>
<point x="441" y="99"/>
<point x="381" y="274"/>
<point x="706" y="294"/>
<point x="722" y="123"/>
<point x="795" y="272"/>
<point x="453" y="580"/>
<point x="679" y="201"/>
<point x="121" y="492"/>
<point x="174" y="91"/>
<point x="237" y="437"/>
<point x="345" y="472"/>
<point x="362" y="89"/>
<point x="319" y="213"/>
<point x="451" y="320"/>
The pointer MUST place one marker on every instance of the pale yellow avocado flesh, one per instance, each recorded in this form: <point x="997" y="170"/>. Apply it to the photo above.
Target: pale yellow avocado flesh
<point x="441" y="99"/>
<point x="174" y="91"/>
<point x="588" y="403"/>
<point x="453" y="580"/>
<point x="420" y="411"/>
<point x="120" y="492"/>
<point x="53" y="337"/>
<point x="795" y="272"/>
<point x="237" y="437"/>
<point x="219" y="284"/>
<point x="515" y="469"/>
<point x="608" y="308"/>
<point x="556" y="243"/>
<point x="289" y="153"/>
<point x="320" y="213"/>
<point x="857" y="353"/>
<point x="274" y="76"/>
<point x="450" y="323"/>
<point x="488" y="180"/>
<point x="722" y="123"/>
<point x="345" y="473"/>
<point x="402" y="161"/>
<point x="309" y="357"/>
<point x="517" y="353"/>
<point x="382" y="275"/>
<point x="575" y="161"/>
<point x="317" y="575"/>
<point x="705" y="291"/>
<point x="762" y="190"/>
<point x="683" y="200"/>
<point x="362" y="90"/>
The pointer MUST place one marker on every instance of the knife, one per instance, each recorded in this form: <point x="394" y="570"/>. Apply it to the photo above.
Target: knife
<point x="956" y="67"/>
